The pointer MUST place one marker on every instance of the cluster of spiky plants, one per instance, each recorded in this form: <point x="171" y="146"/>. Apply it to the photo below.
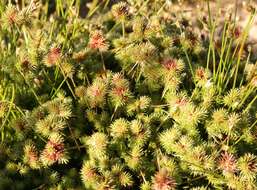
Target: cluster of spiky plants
<point x="124" y="95"/>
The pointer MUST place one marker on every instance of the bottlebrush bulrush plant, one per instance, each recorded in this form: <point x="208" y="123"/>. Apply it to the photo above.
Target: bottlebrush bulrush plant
<point x="127" y="95"/>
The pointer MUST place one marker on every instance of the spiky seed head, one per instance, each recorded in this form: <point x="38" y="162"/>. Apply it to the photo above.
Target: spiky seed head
<point x="97" y="41"/>
<point x="140" y="104"/>
<point x="200" y="73"/>
<point x="140" y="133"/>
<point x="23" y="169"/>
<point x="171" y="83"/>
<point x="39" y="113"/>
<point x="98" y="142"/>
<point x="136" y="127"/>
<point x="11" y="16"/>
<point x="67" y="69"/>
<point x="119" y="80"/>
<point x="168" y="138"/>
<point x="139" y="24"/>
<point x="96" y="93"/>
<point x="247" y="165"/>
<point x="233" y="120"/>
<point x="120" y="10"/>
<point x="232" y="98"/>
<point x="168" y="42"/>
<point x="21" y="124"/>
<point x="144" y="52"/>
<point x="219" y="116"/>
<point x="173" y="65"/>
<point x="54" y="151"/>
<point x="227" y="162"/>
<point x="145" y="186"/>
<point x="125" y="179"/>
<point x="185" y="143"/>
<point x="26" y="65"/>
<point x="89" y="173"/>
<point x="201" y="76"/>
<point x="49" y="125"/>
<point x="81" y="91"/>
<point x="237" y="32"/>
<point x="53" y="57"/>
<point x="59" y="109"/>
<point x="163" y="181"/>
<point x="153" y="27"/>
<point x="119" y="128"/>
<point x="134" y="159"/>
<point x="31" y="156"/>
<point x="119" y="93"/>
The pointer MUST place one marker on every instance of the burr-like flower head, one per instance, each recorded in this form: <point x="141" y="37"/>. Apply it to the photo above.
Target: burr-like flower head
<point x="54" y="151"/>
<point x="163" y="181"/>
<point x="97" y="41"/>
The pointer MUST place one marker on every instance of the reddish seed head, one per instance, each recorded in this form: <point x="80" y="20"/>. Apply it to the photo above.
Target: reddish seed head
<point x="200" y="73"/>
<point x="119" y="91"/>
<point x="181" y="101"/>
<point x="237" y="32"/>
<point x="12" y="17"/>
<point x="96" y="92"/>
<point x="97" y="41"/>
<point x="54" y="151"/>
<point x="53" y="56"/>
<point x="162" y="181"/>
<point x="227" y="162"/>
<point x="25" y="65"/>
<point x="170" y="64"/>
<point x="193" y="38"/>
<point x="32" y="155"/>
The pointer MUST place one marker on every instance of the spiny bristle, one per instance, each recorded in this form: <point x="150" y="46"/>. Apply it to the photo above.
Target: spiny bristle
<point x="162" y="181"/>
<point x="227" y="162"/>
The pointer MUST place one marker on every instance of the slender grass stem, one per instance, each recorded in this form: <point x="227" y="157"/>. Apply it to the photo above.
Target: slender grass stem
<point x="123" y="28"/>
<point x="244" y="37"/>
<point x="250" y="104"/>
<point x="9" y="108"/>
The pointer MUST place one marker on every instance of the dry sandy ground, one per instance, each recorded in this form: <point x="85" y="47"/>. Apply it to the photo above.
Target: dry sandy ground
<point x="196" y="10"/>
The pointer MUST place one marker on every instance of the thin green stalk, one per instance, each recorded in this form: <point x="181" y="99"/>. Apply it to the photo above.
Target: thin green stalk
<point x="123" y="27"/>
<point x="212" y="33"/>
<point x="245" y="34"/>
<point x="67" y="82"/>
<point x="222" y="75"/>
<point x="56" y="91"/>
<point x="247" y="94"/>
<point x="247" y="61"/>
<point x="223" y="48"/>
<point x="250" y="104"/>
<point x="30" y="87"/>
<point x="94" y="7"/>
<point x="9" y="108"/>
<point x="249" y="129"/>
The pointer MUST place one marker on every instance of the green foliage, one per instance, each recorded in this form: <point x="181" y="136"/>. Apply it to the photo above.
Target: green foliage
<point x="124" y="96"/>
